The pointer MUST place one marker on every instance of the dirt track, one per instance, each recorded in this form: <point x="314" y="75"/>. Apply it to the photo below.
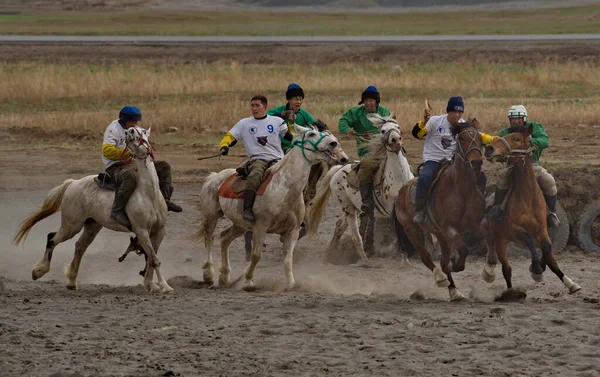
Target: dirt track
<point x="342" y="320"/>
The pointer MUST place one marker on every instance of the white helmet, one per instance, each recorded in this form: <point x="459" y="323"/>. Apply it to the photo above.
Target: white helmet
<point x="517" y="111"/>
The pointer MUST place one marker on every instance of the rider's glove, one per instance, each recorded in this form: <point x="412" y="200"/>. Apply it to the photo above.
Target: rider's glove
<point x="224" y="150"/>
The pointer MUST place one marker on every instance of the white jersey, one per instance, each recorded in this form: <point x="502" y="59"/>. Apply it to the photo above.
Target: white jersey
<point x="261" y="137"/>
<point x="114" y="135"/>
<point x="439" y="142"/>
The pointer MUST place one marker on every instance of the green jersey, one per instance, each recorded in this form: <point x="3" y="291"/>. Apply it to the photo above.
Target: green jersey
<point x="356" y="119"/>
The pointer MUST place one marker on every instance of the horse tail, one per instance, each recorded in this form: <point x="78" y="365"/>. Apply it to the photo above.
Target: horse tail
<point x="51" y="206"/>
<point x="317" y="206"/>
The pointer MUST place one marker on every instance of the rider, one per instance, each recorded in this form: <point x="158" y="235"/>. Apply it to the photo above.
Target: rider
<point x="517" y="116"/>
<point x="292" y="112"/>
<point x="355" y="123"/>
<point x="115" y="153"/>
<point x="261" y="135"/>
<point x="439" y="146"/>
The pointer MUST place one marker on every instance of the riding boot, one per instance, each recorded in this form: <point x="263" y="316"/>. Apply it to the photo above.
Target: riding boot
<point x="167" y="190"/>
<point x="369" y="238"/>
<point x="552" y="220"/>
<point x="420" y="216"/>
<point x="117" y="212"/>
<point x="497" y="212"/>
<point x="366" y="196"/>
<point x="482" y="182"/>
<point x="249" y="197"/>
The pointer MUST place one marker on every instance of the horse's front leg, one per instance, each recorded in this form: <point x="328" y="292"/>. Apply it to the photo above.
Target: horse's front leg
<point x="550" y="260"/>
<point x="352" y="220"/>
<point x="227" y="237"/>
<point x="446" y="252"/>
<point x="156" y="239"/>
<point x="457" y="242"/>
<point x="152" y="263"/>
<point x="289" y="242"/>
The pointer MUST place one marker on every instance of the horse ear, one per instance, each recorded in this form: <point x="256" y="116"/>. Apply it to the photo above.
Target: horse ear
<point x="394" y="116"/>
<point x="475" y="123"/>
<point x="528" y="131"/>
<point x="299" y="129"/>
<point x="148" y="131"/>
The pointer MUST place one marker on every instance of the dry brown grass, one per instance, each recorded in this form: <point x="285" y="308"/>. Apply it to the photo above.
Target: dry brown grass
<point x="205" y="100"/>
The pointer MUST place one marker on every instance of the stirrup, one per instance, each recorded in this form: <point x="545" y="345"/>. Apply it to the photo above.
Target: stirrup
<point x="552" y="220"/>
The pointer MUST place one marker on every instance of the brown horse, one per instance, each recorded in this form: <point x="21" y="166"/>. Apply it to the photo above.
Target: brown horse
<point x="524" y="215"/>
<point x="456" y="208"/>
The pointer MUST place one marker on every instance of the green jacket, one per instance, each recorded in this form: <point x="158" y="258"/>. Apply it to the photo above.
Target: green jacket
<point x="539" y="138"/>
<point x="356" y="119"/>
<point x="303" y="118"/>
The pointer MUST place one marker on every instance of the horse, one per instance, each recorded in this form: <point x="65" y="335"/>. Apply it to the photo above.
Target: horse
<point x="83" y="204"/>
<point x="524" y="217"/>
<point x="455" y="209"/>
<point x="279" y="210"/>
<point x="393" y="172"/>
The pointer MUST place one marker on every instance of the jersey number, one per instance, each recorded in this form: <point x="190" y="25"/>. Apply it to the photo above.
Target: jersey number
<point x="270" y="128"/>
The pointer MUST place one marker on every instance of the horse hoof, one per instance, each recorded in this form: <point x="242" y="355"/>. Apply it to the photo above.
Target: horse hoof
<point x="574" y="288"/>
<point x="512" y="294"/>
<point x="487" y="277"/>
<point x="455" y="296"/>
<point x="537" y="277"/>
<point x="34" y="275"/>
<point x="73" y="287"/>
<point x="167" y="289"/>
<point x="249" y="288"/>
<point x="444" y="283"/>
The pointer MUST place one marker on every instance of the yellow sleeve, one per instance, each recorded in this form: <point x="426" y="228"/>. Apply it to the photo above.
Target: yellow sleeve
<point x="419" y="131"/>
<point x="487" y="138"/>
<point x="227" y="140"/>
<point x="113" y="153"/>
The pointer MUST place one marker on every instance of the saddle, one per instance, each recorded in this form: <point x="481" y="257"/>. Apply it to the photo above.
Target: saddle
<point x="234" y="186"/>
<point x="106" y="182"/>
<point x="354" y="182"/>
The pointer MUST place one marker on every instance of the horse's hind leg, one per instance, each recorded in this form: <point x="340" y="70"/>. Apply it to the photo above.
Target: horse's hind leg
<point x="500" y="246"/>
<point x="489" y="268"/>
<point x="90" y="230"/>
<point x="66" y="232"/>
<point x="208" y="228"/>
<point x="258" y="237"/>
<point x="536" y="267"/>
<point x="227" y="237"/>
<point x="352" y="221"/>
<point x="248" y="245"/>
<point x="549" y="259"/>
<point x="289" y="242"/>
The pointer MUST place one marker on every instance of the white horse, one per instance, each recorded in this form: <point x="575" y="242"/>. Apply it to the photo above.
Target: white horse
<point x="393" y="172"/>
<point x="85" y="205"/>
<point x="279" y="210"/>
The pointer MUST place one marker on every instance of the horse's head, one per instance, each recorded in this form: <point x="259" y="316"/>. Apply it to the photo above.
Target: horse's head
<point x="136" y="139"/>
<point x="390" y="132"/>
<point x="319" y="146"/>
<point x="514" y="144"/>
<point x="469" y="145"/>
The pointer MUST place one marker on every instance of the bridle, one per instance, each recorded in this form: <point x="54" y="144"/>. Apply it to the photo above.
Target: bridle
<point x="519" y="154"/>
<point x="314" y="144"/>
<point x="143" y="143"/>
<point x="386" y="136"/>
<point x="474" y="145"/>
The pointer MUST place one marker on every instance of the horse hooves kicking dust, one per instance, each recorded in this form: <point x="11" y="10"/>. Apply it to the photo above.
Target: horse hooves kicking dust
<point x="512" y="295"/>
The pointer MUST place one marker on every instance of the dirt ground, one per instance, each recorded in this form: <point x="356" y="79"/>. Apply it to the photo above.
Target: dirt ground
<point x="342" y="320"/>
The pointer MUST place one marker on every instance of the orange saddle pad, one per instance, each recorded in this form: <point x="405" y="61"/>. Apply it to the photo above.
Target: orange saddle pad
<point x="234" y="186"/>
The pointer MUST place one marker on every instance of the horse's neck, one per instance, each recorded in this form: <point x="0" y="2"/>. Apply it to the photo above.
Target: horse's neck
<point x="147" y="179"/>
<point x="464" y="176"/>
<point x="524" y="176"/>
<point x="397" y="165"/>
<point x="292" y="172"/>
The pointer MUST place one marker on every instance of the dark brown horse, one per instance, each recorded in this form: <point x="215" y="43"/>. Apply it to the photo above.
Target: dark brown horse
<point x="456" y="208"/>
<point x="524" y="215"/>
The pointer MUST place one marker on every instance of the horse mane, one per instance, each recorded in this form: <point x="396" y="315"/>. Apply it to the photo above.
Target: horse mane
<point x="514" y="129"/>
<point x="376" y="144"/>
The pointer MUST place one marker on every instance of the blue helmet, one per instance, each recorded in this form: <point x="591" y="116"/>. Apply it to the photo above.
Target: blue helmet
<point x="370" y="92"/>
<point x="130" y="113"/>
